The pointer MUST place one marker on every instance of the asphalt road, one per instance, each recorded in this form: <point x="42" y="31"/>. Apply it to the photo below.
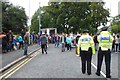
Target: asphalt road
<point x="61" y="65"/>
<point x="13" y="55"/>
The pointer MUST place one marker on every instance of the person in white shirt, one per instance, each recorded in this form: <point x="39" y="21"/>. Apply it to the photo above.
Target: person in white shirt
<point x="119" y="41"/>
<point x="116" y="43"/>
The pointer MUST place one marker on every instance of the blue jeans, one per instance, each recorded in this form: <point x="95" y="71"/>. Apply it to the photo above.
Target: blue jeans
<point x="10" y="46"/>
<point x="25" y="48"/>
<point x="56" y="43"/>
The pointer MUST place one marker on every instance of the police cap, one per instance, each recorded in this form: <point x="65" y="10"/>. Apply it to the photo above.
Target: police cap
<point x="85" y="30"/>
<point x="105" y="28"/>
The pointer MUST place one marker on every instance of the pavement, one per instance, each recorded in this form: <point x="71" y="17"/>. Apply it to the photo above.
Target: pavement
<point x="56" y="64"/>
<point x="13" y="55"/>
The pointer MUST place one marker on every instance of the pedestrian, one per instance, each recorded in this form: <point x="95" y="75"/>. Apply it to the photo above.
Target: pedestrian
<point x="105" y="40"/>
<point x="26" y="43"/>
<point x="20" y="40"/>
<point x="116" y="43"/>
<point x="47" y="41"/>
<point x="15" y="42"/>
<point x="68" y="42"/>
<point x="96" y="42"/>
<point x="52" y="38"/>
<point x="113" y="44"/>
<point x="22" y="33"/>
<point x="119" y="42"/>
<point x="44" y="43"/>
<point x="86" y="49"/>
<point x="32" y="37"/>
<point x="57" y="40"/>
<point x="10" y="40"/>
<point x="38" y="39"/>
<point x="77" y="38"/>
<point x="63" y="40"/>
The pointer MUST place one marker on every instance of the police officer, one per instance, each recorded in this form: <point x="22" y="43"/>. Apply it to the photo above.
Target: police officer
<point x="105" y="40"/>
<point x="44" y="43"/>
<point x="86" y="49"/>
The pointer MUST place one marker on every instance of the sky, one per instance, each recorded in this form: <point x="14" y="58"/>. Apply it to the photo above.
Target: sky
<point x="34" y="5"/>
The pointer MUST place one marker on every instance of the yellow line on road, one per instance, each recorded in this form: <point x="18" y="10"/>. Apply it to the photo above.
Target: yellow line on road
<point x="13" y="68"/>
<point x="20" y="66"/>
<point x="17" y="66"/>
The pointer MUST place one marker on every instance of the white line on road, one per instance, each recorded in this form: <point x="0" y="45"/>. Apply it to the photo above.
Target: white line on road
<point x="100" y="71"/>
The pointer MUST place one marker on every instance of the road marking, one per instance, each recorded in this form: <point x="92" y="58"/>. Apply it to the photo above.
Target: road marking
<point x="100" y="71"/>
<point x="20" y="66"/>
<point x="17" y="66"/>
<point x="13" y="68"/>
<point x="19" y="59"/>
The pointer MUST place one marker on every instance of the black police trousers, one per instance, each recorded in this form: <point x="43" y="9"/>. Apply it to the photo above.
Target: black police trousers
<point x="86" y="57"/>
<point x="107" y="55"/>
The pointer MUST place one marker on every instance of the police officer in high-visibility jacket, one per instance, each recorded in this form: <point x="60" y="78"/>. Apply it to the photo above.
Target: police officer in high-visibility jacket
<point x="86" y="49"/>
<point x="105" y="40"/>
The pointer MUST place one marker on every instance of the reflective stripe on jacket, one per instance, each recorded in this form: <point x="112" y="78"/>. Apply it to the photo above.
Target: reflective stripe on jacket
<point x="105" y="40"/>
<point x="85" y="42"/>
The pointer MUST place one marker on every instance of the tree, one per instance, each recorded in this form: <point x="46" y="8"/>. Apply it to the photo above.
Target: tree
<point x="13" y="18"/>
<point x="116" y="24"/>
<point x="115" y="28"/>
<point x="35" y="22"/>
<point x="74" y="17"/>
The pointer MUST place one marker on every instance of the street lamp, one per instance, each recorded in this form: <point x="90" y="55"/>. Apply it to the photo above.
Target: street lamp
<point x="39" y="20"/>
<point x="29" y="22"/>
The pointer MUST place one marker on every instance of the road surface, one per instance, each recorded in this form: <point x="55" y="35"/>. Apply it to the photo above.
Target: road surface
<point x="61" y="65"/>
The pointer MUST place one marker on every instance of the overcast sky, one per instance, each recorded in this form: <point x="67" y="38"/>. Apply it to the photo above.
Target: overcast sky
<point x="34" y="4"/>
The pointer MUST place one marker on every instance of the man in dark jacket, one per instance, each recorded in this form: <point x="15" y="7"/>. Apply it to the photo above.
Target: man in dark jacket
<point x="96" y="42"/>
<point x="10" y="40"/>
<point x="44" y="43"/>
<point x="63" y="40"/>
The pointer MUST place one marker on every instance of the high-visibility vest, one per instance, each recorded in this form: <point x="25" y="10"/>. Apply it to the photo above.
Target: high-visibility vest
<point x="85" y="42"/>
<point x="105" y="40"/>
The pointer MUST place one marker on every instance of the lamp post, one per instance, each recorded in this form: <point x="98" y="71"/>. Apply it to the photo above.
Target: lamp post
<point x="39" y="20"/>
<point x="29" y="22"/>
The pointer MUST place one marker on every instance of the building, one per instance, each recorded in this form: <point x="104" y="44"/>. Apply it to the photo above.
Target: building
<point x="49" y="31"/>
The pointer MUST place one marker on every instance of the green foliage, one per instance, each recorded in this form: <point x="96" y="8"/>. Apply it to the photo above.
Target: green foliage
<point x="13" y="18"/>
<point x="115" y="28"/>
<point x="77" y="16"/>
<point x="116" y="20"/>
<point x="116" y="24"/>
<point x="35" y="23"/>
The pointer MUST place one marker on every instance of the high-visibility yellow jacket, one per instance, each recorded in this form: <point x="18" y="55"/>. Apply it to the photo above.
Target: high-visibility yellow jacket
<point x="85" y="42"/>
<point x="105" y="40"/>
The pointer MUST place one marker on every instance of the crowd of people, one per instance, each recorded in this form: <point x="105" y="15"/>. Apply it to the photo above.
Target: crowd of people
<point x="66" y="40"/>
<point x="12" y="42"/>
<point x="71" y="40"/>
